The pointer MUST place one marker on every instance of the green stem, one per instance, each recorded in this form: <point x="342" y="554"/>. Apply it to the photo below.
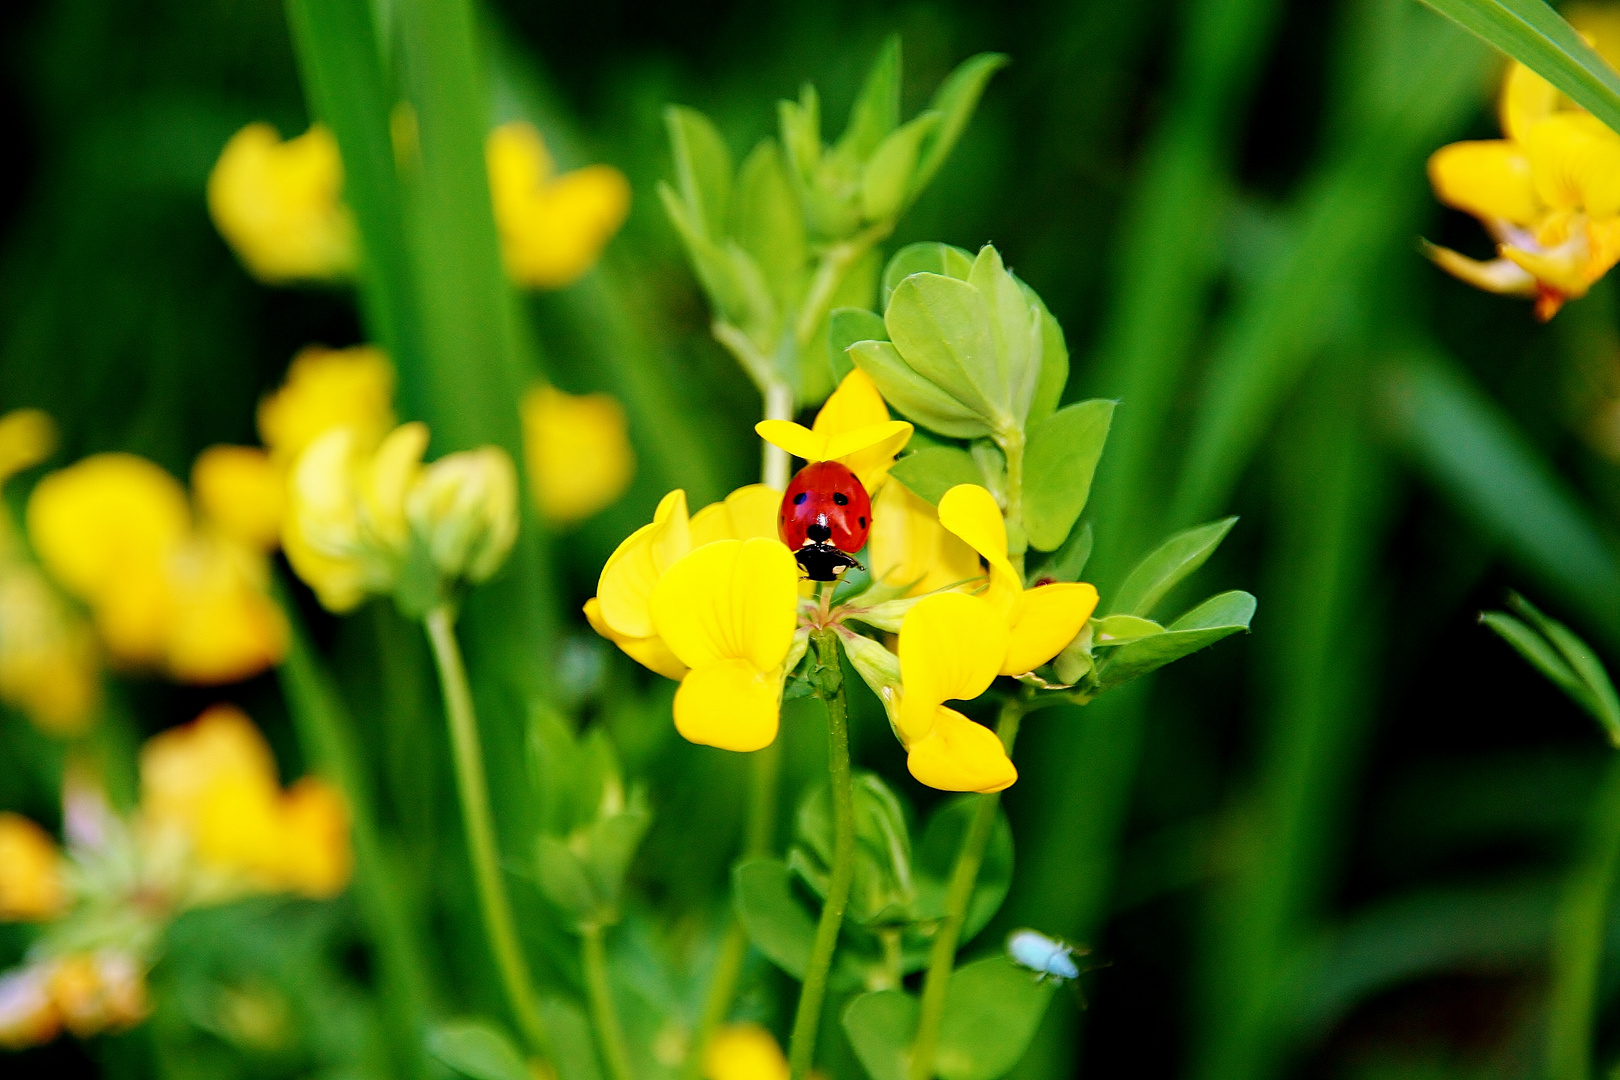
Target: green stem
<point x="830" y="274"/>
<point x="1577" y="947"/>
<point x="829" y="682"/>
<point x="775" y="471"/>
<point x="604" y="1016"/>
<point x="1012" y="447"/>
<point x="942" y="956"/>
<point x="479" y="823"/>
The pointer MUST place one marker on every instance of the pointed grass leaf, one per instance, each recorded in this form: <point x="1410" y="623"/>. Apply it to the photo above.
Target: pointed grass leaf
<point x="702" y="169"/>
<point x="931" y="472"/>
<point x="876" y="111"/>
<point x="1566" y="660"/>
<point x="1060" y="461"/>
<point x="942" y="327"/>
<point x="992" y="1008"/>
<point x="1167" y="565"/>
<point x="925" y="257"/>
<point x="778" y="923"/>
<point x="955" y="101"/>
<point x="886" y="179"/>
<point x="881" y="1026"/>
<point x="914" y="396"/>
<point x="935" y="860"/>
<point x="478" y="1050"/>
<point x="1218" y="617"/>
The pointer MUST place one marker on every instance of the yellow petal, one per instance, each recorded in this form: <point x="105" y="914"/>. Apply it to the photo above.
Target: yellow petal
<point x="31" y="887"/>
<point x="1502" y="276"/>
<point x="952" y="646"/>
<point x="748" y="512"/>
<point x="1599" y="24"/>
<point x="240" y="491"/>
<point x="857" y="404"/>
<point x="877" y="441"/>
<point x="796" y="439"/>
<point x="972" y="513"/>
<point x="1489" y="179"/>
<point x="1045" y="619"/>
<point x="959" y="755"/>
<point x="730" y="704"/>
<point x="1564" y="270"/>
<point x="552" y="229"/>
<point x="908" y="545"/>
<point x="649" y="652"/>
<point x="221" y="625"/>
<point x="328" y="388"/>
<point x="316" y="856"/>
<point x="577" y="450"/>
<point x="388" y="480"/>
<point x="1575" y="163"/>
<point x="744" y="1052"/>
<point x="279" y="205"/>
<point x="732" y="599"/>
<point x="1526" y="100"/>
<point x="625" y="588"/>
<point x="27" y="437"/>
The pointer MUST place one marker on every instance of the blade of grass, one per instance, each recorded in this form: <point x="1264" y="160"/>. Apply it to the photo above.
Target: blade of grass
<point x="1578" y="935"/>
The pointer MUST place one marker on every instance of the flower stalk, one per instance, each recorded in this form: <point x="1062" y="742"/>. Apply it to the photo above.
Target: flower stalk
<point x="828" y="678"/>
<point x="942" y="956"/>
<point x="599" y="995"/>
<point x="499" y="925"/>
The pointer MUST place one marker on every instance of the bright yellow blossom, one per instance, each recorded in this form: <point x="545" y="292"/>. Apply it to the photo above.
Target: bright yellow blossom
<point x="909" y="547"/>
<point x="240" y="491"/>
<point x="621" y="610"/>
<point x="30" y="871"/>
<point x="746" y="513"/>
<point x="552" y="228"/>
<point x="279" y="205"/>
<point x="744" y="1052"/>
<point x="728" y="611"/>
<point x="852" y="428"/>
<point x="327" y="388"/>
<point x="1040" y="621"/>
<point x="577" y="449"/>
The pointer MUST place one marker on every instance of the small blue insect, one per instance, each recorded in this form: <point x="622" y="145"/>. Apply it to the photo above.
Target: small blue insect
<point x="1051" y="958"/>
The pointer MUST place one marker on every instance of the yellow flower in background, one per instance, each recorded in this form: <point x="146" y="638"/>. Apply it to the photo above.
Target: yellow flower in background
<point x="324" y="389"/>
<point x="552" y="228"/>
<point x="852" y="428"/>
<point x="279" y="205"/>
<point x="213" y="783"/>
<point x="28" y="1016"/>
<point x="49" y="667"/>
<point x="97" y="992"/>
<point x="1040" y="621"/>
<point x="27" y="437"/>
<point x="577" y="450"/>
<point x="621" y="610"/>
<point x="744" y="1052"/>
<point x="952" y="647"/>
<point x="909" y="547"/>
<point x="464" y="508"/>
<point x="240" y="491"/>
<point x="728" y="612"/>
<point x="31" y="886"/>
<point x="1548" y="193"/>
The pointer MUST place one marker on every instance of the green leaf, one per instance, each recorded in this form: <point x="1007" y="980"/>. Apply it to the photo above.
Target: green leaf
<point x="1218" y="617"/>
<point x="1164" y="569"/>
<point x="882" y="891"/>
<point x="935" y="860"/>
<point x="799" y="123"/>
<point x="1069" y="561"/>
<point x="1561" y="656"/>
<point x="477" y="1049"/>
<point x="955" y="101"/>
<point x="778" y="923"/>
<point x="1531" y="32"/>
<point x="876" y="111"/>
<point x="914" y="396"/>
<point x="941" y="327"/>
<point x="768" y="224"/>
<point x="927" y="257"/>
<point x="612" y="846"/>
<point x="1054" y="366"/>
<point x="563" y="878"/>
<point x="880" y="1027"/>
<point x="1015" y="328"/>
<point x="886" y="180"/>
<point x="719" y="274"/>
<point x="702" y="169"/>
<point x="930" y="473"/>
<point x="992" y="1009"/>
<point x="846" y="326"/>
<point x="1123" y="629"/>
<point x="1059" y="463"/>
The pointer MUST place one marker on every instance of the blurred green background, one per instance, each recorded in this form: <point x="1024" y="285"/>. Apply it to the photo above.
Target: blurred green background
<point x="1329" y="849"/>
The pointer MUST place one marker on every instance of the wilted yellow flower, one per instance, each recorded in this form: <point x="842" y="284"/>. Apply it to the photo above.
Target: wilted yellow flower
<point x="30" y="871"/>
<point x="852" y="428"/>
<point x="552" y="228"/>
<point x="952" y="647"/>
<point x="97" y="992"/>
<point x="279" y="205"/>
<point x="744" y="1052"/>
<point x="909" y="547"/>
<point x="28" y="1015"/>
<point x="27" y="437"/>
<point x="242" y="492"/>
<point x="464" y="508"/>
<point x="328" y="388"/>
<point x="577" y="449"/>
<point x="213" y="783"/>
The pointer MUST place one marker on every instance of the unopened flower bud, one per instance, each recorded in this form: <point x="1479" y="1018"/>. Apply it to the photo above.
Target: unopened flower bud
<point x="464" y="508"/>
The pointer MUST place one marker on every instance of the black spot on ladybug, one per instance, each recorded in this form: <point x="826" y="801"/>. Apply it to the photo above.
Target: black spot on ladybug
<point x="798" y="500"/>
<point x="840" y="498"/>
<point x="863" y="523"/>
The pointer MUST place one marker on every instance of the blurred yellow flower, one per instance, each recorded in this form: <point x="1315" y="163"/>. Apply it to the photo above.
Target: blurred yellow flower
<point x="744" y="1052"/>
<point x="279" y="205"/>
<point x="49" y="668"/>
<point x="464" y="508"/>
<point x="97" y="992"/>
<point x="952" y="647"/>
<point x="324" y="389"/>
<point x="28" y="1016"/>
<point x="27" y="437"/>
<point x="31" y="887"/>
<point x="240" y="491"/>
<point x="552" y="228"/>
<point x="577" y="450"/>
<point x="908" y="547"/>
<point x="213" y="783"/>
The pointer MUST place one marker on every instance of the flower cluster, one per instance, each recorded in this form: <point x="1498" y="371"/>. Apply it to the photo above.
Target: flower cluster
<point x="280" y="206"/>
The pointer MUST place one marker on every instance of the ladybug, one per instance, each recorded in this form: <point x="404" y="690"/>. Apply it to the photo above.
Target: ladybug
<point x="825" y="516"/>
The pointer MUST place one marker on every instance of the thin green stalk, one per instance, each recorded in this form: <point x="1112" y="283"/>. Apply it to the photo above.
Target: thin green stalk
<point x="480" y="826"/>
<point x="1578" y="935"/>
<point x="1012" y="448"/>
<point x="830" y="274"/>
<point x="829" y="682"/>
<point x="775" y="469"/>
<point x="599" y="996"/>
<point x="965" y="875"/>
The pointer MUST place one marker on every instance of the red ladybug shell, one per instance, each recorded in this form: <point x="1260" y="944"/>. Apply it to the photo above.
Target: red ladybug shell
<point x="825" y="495"/>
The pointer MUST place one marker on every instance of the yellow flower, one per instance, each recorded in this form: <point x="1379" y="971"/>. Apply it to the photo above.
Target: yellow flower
<point x="1549" y="193"/>
<point x="464" y="507"/>
<point x="621" y="610"/>
<point x="552" y="228"/>
<point x="279" y="205"/>
<point x="213" y="783"/>
<point x="746" y="513"/>
<point x="241" y="492"/>
<point x="744" y="1052"/>
<point x="577" y="450"/>
<point x="48" y="663"/>
<point x="27" y="437"/>
<point x="97" y="992"/>
<point x="1040" y="621"/>
<point x="324" y="389"/>
<point x="909" y="547"/>
<point x="852" y="428"/>
<point x="30" y="871"/>
<point x="728" y="611"/>
<point x="952" y="647"/>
